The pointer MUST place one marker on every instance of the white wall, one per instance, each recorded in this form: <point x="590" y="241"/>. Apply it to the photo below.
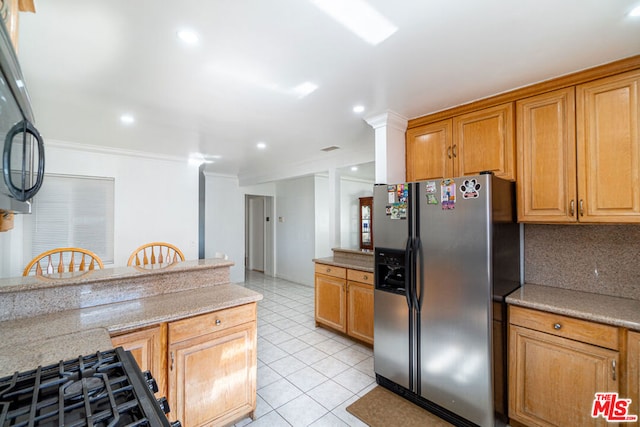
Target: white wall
<point x="224" y="227"/>
<point x="156" y="199"/>
<point x="295" y="235"/>
<point x="350" y="191"/>
<point x="322" y="215"/>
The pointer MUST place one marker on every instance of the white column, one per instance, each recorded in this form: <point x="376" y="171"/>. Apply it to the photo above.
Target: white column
<point x="334" y="207"/>
<point x="390" y="131"/>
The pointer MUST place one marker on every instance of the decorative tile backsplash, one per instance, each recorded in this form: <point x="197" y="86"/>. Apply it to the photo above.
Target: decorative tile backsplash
<point x="602" y="259"/>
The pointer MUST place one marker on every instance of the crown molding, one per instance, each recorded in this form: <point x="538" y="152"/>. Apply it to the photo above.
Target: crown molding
<point x="389" y="119"/>
<point x="74" y="146"/>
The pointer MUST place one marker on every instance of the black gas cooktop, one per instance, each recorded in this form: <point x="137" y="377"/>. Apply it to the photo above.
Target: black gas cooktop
<point x="102" y="389"/>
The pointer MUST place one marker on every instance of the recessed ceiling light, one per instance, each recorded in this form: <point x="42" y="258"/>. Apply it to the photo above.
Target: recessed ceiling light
<point x="358" y="109"/>
<point x="635" y="11"/>
<point x="188" y="36"/>
<point x="261" y="145"/>
<point x="360" y="18"/>
<point x="305" y="89"/>
<point x="354" y="168"/>
<point x="127" y="119"/>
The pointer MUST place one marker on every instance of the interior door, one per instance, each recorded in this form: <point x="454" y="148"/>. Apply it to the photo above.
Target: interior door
<point x="256" y="233"/>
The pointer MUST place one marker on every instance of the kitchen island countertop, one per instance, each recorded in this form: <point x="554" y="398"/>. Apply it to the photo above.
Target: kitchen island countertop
<point x="615" y="311"/>
<point x="40" y="340"/>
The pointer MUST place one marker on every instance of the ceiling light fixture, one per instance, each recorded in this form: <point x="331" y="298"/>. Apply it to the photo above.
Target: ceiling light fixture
<point x="305" y="89"/>
<point x="127" y="119"/>
<point x="188" y="36"/>
<point x="635" y="12"/>
<point x="261" y="145"/>
<point x="354" y="168"/>
<point x="360" y="18"/>
<point x="358" y="109"/>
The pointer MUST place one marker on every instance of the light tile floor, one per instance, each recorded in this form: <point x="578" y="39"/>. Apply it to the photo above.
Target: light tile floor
<point x="307" y="375"/>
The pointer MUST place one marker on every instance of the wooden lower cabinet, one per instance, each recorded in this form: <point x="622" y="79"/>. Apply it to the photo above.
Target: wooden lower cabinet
<point x="344" y="301"/>
<point x="553" y="377"/>
<point x="360" y="309"/>
<point x="330" y="301"/>
<point x="212" y="367"/>
<point x="633" y="373"/>
<point x="148" y="349"/>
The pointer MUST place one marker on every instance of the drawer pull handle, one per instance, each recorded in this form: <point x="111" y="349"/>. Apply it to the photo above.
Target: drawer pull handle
<point x="365" y="277"/>
<point x="557" y="326"/>
<point x="328" y="270"/>
<point x="218" y="322"/>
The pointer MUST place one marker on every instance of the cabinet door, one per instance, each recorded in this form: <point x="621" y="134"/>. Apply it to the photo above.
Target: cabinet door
<point x="366" y="222"/>
<point x="608" y="142"/>
<point x="483" y="141"/>
<point x="633" y="372"/>
<point x="360" y="307"/>
<point x="546" y="153"/>
<point x="330" y="301"/>
<point x="429" y="152"/>
<point x="553" y="380"/>
<point x="212" y="378"/>
<point x="148" y="347"/>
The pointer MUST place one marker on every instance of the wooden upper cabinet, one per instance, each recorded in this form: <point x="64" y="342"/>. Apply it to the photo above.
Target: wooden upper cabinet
<point x="608" y="145"/>
<point x="546" y="153"/>
<point x="483" y="141"/>
<point x="429" y="151"/>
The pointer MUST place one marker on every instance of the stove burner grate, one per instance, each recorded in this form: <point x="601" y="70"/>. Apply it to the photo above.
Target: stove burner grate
<point x="105" y="389"/>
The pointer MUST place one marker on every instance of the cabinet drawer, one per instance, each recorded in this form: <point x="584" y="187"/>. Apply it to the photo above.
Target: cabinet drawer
<point x="360" y="276"/>
<point x="331" y="270"/>
<point x="567" y="327"/>
<point x="211" y="322"/>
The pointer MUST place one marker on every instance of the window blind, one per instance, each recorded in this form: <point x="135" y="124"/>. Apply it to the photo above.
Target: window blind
<point x="74" y="211"/>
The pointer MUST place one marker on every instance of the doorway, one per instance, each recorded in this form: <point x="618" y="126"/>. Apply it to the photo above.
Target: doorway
<point x="259" y="234"/>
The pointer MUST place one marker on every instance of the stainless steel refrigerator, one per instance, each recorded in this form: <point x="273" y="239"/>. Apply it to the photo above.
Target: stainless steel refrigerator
<point x="445" y="251"/>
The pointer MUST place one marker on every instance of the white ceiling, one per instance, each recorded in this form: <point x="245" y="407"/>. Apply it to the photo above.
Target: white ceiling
<point x="87" y="62"/>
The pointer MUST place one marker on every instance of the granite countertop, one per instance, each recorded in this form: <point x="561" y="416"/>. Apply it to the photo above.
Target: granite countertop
<point x="606" y="309"/>
<point x="40" y="340"/>
<point x="22" y="283"/>
<point x="354" y="264"/>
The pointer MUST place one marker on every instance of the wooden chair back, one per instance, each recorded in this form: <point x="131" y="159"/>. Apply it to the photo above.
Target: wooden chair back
<point x="61" y="260"/>
<point x="155" y="254"/>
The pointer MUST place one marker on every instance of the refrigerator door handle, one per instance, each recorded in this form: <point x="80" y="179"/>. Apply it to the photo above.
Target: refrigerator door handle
<point x="408" y="273"/>
<point x="419" y="280"/>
